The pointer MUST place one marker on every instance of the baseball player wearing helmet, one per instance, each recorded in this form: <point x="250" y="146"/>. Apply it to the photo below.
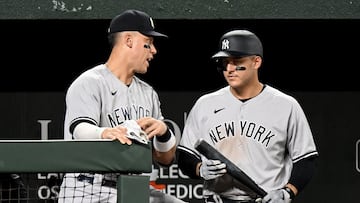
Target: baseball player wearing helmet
<point x="258" y="127"/>
<point x="102" y="99"/>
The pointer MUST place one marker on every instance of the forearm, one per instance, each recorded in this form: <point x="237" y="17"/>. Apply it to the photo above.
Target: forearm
<point x="164" y="148"/>
<point x="301" y="174"/>
<point x="86" y="130"/>
<point x="165" y="158"/>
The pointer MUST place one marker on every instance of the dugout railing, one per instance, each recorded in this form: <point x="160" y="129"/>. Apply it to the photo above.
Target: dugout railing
<point x="62" y="156"/>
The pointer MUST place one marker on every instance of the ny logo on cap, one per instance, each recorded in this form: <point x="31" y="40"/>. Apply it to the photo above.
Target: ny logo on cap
<point x="152" y="23"/>
<point x="225" y="44"/>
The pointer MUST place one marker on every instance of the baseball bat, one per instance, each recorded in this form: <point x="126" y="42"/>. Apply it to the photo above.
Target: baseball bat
<point x="211" y="153"/>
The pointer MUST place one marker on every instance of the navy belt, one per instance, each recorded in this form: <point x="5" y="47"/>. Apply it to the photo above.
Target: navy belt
<point x="106" y="183"/>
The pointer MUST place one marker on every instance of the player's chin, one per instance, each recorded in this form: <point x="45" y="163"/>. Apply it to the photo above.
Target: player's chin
<point x="142" y="71"/>
<point x="233" y="82"/>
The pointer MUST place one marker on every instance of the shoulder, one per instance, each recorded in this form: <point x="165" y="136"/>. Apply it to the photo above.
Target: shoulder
<point x="92" y="73"/>
<point x="278" y="94"/>
<point x="280" y="98"/>
<point x="214" y="96"/>
<point x="89" y="78"/>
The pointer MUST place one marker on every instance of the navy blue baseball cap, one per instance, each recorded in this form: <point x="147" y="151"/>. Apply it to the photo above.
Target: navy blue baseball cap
<point x="134" y="20"/>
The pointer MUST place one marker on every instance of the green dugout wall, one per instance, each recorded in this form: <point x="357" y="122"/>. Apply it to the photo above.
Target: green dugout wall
<point x="32" y="156"/>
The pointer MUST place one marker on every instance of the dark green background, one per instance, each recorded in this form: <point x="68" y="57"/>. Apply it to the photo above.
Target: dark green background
<point x="185" y="9"/>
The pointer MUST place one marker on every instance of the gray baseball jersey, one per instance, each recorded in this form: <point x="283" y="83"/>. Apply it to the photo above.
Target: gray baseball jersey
<point x="98" y="97"/>
<point x="256" y="135"/>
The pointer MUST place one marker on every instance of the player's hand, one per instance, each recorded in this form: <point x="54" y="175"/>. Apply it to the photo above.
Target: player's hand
<point x="211" y="169"/>
<point x="152" y="127"/>
<point x="117" y="133"/>
<point x="277" y="196"/>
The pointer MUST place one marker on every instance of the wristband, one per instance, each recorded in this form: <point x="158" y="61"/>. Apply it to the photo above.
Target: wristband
<point x="288" y="190"/>
<point x="165" y="137"/>
<point x="164" y="146"/>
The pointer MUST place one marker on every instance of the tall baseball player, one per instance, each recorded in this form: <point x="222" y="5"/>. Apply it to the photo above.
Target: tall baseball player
<point x="109" y="101"/>
<point x="259" y="128"/>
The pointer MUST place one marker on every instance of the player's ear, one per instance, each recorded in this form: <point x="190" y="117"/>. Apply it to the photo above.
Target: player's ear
<point x="257" y="61"/>
<point x="129" y="40"/>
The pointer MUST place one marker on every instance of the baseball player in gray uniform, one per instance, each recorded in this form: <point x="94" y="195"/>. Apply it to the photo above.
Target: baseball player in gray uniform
<point x="259" y="128"/>
<point x="102" y="101"/>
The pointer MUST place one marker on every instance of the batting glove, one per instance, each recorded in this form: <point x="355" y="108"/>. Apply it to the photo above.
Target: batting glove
<point x="211" y="169"/>
<point x="277" y="196"/>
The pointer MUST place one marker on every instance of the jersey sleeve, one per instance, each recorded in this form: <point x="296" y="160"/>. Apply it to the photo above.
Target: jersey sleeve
<point x="191" y="132"/>
<point x="188" y="157"/>
<point x="157" y="106"/>
<point x="82" y="104"/>
<point x="301" y="143"/>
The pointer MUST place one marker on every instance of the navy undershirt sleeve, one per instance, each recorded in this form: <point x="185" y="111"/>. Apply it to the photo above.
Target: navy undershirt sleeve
<point x="302" y="172"/>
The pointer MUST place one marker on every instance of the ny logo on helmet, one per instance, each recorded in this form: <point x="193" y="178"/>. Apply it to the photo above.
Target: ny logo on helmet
<point x="225" y="44"/>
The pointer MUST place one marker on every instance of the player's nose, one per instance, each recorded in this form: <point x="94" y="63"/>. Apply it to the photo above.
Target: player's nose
<point x="230" y="67"/>
<point x="153" y="49"/>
